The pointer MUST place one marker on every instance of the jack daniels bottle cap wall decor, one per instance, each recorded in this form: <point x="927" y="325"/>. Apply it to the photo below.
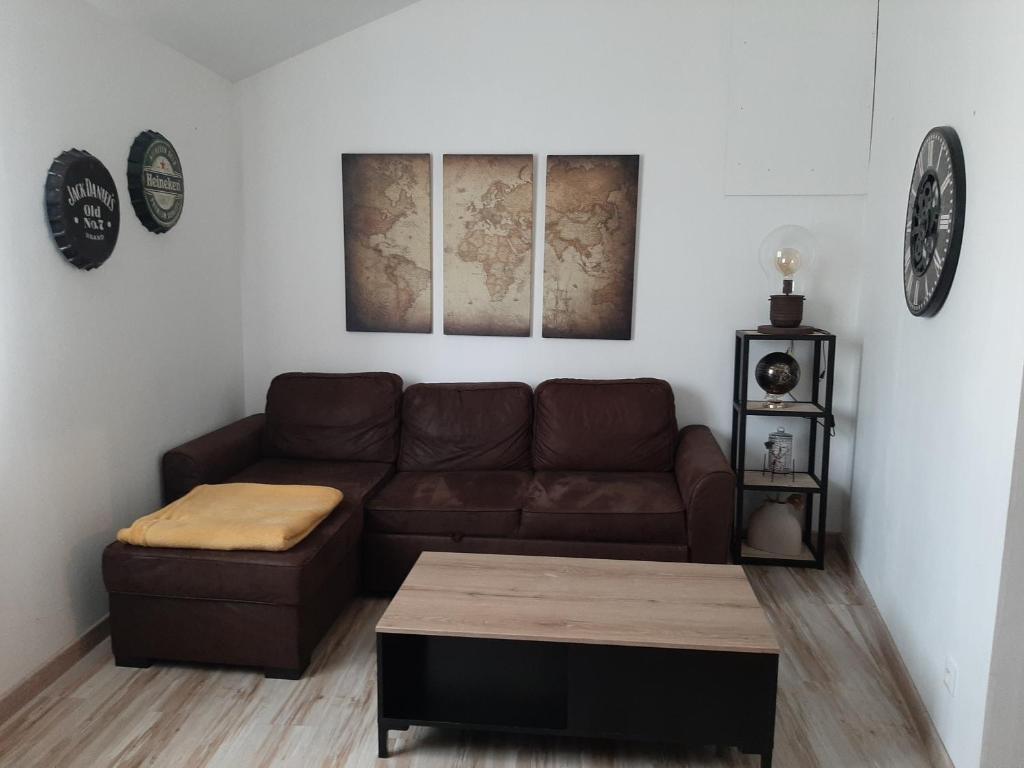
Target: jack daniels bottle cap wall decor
<point x="155" y="183"/>
<point x="82" y="208"/>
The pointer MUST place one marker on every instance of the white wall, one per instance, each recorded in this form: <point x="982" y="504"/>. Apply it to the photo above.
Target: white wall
<point x="649" y="77"/>
<point x="940" y="396"/>
<point x="100" y="371"/>
<point x="1003" y="745"/>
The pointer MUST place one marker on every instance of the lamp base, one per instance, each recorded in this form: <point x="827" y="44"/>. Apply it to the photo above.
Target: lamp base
<point x="772" y="330"/>
<point x="786" y="310"/>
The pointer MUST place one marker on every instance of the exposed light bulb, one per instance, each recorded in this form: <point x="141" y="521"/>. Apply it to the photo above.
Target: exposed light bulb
<point x="788" y="261"/>
<point x="787" y="255"/>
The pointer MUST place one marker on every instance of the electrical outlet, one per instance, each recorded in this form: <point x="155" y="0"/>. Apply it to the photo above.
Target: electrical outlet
<point x="950" y="675"/>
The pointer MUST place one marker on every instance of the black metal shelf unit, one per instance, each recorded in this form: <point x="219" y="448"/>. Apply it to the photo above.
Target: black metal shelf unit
<point x="813" y="483"/>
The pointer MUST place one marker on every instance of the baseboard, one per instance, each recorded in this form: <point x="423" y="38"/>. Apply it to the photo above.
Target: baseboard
<point x="39" y="680"/>
<point x="934" y="747"/>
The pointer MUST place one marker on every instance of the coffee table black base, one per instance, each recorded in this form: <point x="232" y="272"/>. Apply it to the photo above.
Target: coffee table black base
<point x="562" y="689"/>
<point x="384" y="727"/>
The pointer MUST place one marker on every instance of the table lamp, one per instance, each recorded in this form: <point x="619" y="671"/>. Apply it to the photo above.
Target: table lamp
<point x="787" y="255"/>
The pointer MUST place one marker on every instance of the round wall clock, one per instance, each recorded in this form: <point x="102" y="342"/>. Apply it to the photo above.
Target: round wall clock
<point x="83" y="208"/>
<point x="155" y="183"/>
<point x="935" y="221"/>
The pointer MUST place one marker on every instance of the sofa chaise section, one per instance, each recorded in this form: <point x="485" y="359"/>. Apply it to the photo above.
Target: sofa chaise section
<point x="262" y="609"/>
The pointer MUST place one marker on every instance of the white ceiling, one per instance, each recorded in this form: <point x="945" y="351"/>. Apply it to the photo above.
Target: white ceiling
<point x="238" y="38"/>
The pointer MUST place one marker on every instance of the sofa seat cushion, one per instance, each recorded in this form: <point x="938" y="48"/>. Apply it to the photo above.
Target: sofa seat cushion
<point x="604" y="506"/>
<point x="475" y="503"/>
<point x="275" y="578"/>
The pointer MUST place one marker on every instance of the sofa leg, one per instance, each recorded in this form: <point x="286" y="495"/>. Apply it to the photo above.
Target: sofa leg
<point x="129" y="661"/>
<point x="283" y="673"/>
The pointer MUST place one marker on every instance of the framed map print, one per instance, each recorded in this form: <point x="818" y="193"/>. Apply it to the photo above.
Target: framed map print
<point x="388" y="270"/>
<point x="488" y="244"/>
<point x="590" y="246"/>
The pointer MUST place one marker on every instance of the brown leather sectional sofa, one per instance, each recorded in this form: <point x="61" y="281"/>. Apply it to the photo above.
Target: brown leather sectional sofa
<point x="574" y="468"/>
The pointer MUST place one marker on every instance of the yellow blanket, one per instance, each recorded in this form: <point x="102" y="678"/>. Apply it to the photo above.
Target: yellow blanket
<point x="235" y="516"/>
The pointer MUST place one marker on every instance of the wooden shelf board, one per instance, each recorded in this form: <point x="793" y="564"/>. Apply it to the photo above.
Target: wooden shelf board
<point x="805" y="556"/>
<point x="801" y="481"/>
<point x="758" y="408"/>
<point x="818" y="334"/>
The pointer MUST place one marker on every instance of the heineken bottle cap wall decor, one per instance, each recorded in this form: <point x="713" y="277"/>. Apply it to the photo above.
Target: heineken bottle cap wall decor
<point x="82" y="208"/>
<point x="155" y="184"/>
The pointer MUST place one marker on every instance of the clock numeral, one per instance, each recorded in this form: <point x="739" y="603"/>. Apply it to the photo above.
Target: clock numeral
<point x="909" y="282"/>
<point x="931" y="152"/>
<point x="947" y="181"/>
<point x="945" y="220"/>
<point x="938" y="259"/>
<point x="917" y="290"/>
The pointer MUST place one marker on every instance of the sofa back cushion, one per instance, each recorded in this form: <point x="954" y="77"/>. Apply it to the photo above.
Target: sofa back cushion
<point x="624" y="425"/>
<point x="466" y="427"/>
<point x="333" y="416"/>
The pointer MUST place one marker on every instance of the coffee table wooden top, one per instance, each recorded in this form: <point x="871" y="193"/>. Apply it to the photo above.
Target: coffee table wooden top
<point x="576" y="600"/>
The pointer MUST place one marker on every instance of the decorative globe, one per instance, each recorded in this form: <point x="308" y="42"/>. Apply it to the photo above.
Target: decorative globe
<point x="777" y="373"/>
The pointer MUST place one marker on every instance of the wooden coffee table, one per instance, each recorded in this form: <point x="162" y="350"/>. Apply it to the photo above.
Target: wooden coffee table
<point x="672" y="652"/>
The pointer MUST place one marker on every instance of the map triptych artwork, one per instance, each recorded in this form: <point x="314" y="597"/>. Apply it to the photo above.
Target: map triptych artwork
<point x="488" y="225"/>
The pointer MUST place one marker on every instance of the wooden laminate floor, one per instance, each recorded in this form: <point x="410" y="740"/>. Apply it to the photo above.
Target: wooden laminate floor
<point x="840" y="704"/>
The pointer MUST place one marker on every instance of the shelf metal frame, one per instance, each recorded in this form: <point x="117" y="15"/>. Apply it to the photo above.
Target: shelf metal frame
<point x="822" y="419"/>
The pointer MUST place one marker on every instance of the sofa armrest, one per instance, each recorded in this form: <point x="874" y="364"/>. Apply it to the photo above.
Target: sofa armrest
<point x="212" y="458"/>
<point x="708" y="486"/>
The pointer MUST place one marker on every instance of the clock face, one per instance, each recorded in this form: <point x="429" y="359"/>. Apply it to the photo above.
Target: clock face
<point x="935" y="221"/>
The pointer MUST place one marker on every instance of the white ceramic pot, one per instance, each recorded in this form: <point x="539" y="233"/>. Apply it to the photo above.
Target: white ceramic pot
<point x="776" y="527"/>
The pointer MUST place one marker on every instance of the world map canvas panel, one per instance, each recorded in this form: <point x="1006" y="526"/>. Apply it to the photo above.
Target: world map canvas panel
<point x="488" y="244"/>
<point x="386" y="202"/>
<point x="590" y="246"/>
